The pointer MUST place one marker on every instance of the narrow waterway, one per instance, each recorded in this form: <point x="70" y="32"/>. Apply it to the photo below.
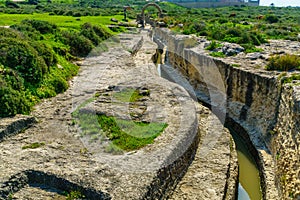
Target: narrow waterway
<point x="249" y="179"/>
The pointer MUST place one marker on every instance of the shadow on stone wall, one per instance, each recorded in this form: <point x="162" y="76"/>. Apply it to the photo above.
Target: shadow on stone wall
<point x="44" y="180"/>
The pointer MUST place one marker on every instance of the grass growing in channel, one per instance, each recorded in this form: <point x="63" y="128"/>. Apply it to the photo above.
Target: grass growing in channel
<point x="130" y="95"/>
<point x="124" y="134"/>
<point x="129" y="135"/>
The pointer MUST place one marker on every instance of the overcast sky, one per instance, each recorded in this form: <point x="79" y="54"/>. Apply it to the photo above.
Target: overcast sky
<point x="280" y="2"/>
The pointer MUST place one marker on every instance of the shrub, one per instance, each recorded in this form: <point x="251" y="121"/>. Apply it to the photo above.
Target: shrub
<point x="271" y="18"/>
<point x="77" y="14"/>
<point x="59" y="84"/>
<point x="19" y="55"/>
<point x="101" y="32"/>
<point x="68" y="13"/>
<point x="7" y="32"/>
<point x="199" y="26"/>
<point x="41" y="26"/>
<point x="234" y="31"/>
<point x="13" y="102"/>
<point x="11" y="4"/>
<point x="284" y="62"/>
<point x="217" y="54"/>
<point x="46" y="52"/>
<point x="27" y="30"/>
<point x="88" y="32"/>
<point x="79" y="45"/>
<point x="213" y="45"/>
<point x="12" y="96"/>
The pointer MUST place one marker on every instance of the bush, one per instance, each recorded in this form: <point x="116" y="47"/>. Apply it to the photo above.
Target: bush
<point x="42" y="26"/>
<point x="77" y="14"/>
<point x="284" y="62"/>
<point x="13" y="102"/>
<point x="27" y="30"/>
<point x="88" y="32"/>
<point x="213" y="45"/>
<point x="271" y="18"/>
<point x="79" y="45"/>
<point x="59" y="84"/>
<point x="101" y="32"/>
<point x="7" y="32"/>
<point x="234" y="31"/>
<point x="12" y="96"/>
<point x="11" y="4"/>
<point x="46" y="52"/>
<point x="20" y="56"/>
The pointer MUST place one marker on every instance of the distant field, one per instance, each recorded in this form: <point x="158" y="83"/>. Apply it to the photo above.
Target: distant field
<point x="61" y="21"/>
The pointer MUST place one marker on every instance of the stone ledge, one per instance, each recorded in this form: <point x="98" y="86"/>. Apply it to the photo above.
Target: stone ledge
<point x="15" y="125"/>
<point x="248" y="91"/>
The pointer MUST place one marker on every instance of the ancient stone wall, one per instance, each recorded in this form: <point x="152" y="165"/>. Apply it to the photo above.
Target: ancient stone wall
<point x="253" y="99"/>
<point x="286" y="142"/>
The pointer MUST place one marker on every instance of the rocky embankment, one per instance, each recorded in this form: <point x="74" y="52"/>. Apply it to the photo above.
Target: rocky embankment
<point x="54" y="154"/>
<point x="254" y="98"/>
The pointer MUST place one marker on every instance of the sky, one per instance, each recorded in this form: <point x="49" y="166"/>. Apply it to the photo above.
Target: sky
<point x="280" y="2"/>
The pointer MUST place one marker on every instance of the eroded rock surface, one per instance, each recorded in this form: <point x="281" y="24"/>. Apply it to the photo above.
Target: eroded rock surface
<point x="212" y="174"/>
<point x="255" y="99"/>
<point x="52" y="157"/>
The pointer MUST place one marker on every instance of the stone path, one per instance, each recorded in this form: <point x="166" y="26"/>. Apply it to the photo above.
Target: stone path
<point x="61" y="152"/>
<point x="206" y="176"/>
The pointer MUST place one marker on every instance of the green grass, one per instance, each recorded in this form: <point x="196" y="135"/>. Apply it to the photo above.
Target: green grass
<point x="34" y="145"/>
<point x="284" y="62"/>
<point x="128" y="95"/>
<point x="213" y="45"/>
<point x="254" y="49"/>
<point x="129" y="135"/>
<point x="73" y="195"/>
<point x="290" y="79"/>
<point x="217" y="54"/>
<point x="125" y="134"/>
<point x="61" y="21"/>
<point x="236" y="65"/>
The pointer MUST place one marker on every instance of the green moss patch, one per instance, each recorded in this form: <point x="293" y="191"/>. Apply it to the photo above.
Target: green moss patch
<point x="34" y="145"/>
<point x="130" y="95"/>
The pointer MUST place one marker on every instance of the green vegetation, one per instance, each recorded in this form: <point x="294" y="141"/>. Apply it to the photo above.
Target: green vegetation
<point x="236" y="65"/>
<point x="217" y="54"/>
<point x="284" y="62"/>
<point x="247" y="26"/>
<point x="124" y="134"/>
<point x="129" y="95"/>
<point x="34" y="145"/>
<point x="47" y="35"/>
<point x="129" y="135"/>
<point x="73" y="195"/>
<point x="213" y="45"/>
<point x="290" y="79"/>
<point x="36" y="55"/>
<point x="252" y="49"/>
